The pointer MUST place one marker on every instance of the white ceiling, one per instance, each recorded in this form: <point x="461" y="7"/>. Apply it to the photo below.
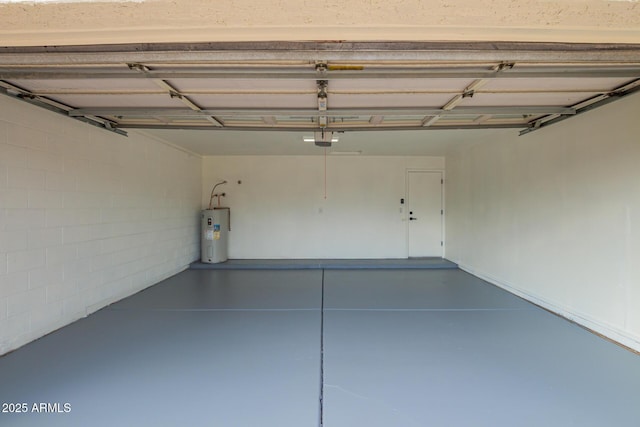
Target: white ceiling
<point x="370" y="143"/>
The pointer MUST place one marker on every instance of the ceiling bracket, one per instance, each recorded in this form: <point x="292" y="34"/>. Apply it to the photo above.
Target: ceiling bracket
<point x="322" y="88"/>
<point x="321" y="68"/>
<point x="322" y="102"/>
<point x="505" y="66"/>
<point x="138" y="67"/>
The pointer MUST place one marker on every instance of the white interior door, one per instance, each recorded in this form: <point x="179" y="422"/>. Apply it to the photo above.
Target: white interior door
<point x="425" y="213"/>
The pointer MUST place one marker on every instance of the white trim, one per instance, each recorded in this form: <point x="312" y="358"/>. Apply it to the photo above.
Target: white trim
<point x="443" y="216"/>
<point x="612" y="332"/>
<point x="405" y="217"/>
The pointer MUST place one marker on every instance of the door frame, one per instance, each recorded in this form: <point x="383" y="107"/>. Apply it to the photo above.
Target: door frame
<point x="406" y="207"/>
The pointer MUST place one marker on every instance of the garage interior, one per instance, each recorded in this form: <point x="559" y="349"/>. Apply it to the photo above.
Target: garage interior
<point x="433" y="217"/>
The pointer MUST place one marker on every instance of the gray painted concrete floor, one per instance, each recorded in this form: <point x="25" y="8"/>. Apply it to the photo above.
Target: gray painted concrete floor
<point x="398" y="348"/>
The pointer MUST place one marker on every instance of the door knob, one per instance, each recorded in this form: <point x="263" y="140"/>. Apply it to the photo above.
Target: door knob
<point x="412" y="218"/>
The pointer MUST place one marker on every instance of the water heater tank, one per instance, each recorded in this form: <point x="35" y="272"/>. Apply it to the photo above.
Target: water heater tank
<point x="214" y="235"/>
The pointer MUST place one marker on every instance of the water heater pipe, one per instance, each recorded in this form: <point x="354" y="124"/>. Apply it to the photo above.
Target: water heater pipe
<point x="213" y="195"/>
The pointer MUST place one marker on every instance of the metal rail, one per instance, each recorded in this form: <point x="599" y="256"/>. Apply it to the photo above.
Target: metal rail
<point x="122" y="112"/>
<point x="166" y="53"/>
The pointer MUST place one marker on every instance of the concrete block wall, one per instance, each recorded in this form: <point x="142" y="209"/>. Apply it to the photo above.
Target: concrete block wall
<point x="87" y="217"/>
<point x="554" y="216"/>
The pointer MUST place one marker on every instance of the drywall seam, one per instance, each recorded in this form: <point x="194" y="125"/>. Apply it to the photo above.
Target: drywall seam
<point x="609" y="331"/>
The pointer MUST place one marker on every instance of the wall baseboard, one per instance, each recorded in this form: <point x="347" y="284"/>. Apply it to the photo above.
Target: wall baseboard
<point x="609" y="332"/>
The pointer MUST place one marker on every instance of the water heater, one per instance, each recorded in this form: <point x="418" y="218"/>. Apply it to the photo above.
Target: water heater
<point x="214" y="235"/>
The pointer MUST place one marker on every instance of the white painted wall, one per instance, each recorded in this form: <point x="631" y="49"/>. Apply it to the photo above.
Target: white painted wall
<point x="279" y="210"/>
<point x="87" y="217"/>
<point x="555" y="216"/>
